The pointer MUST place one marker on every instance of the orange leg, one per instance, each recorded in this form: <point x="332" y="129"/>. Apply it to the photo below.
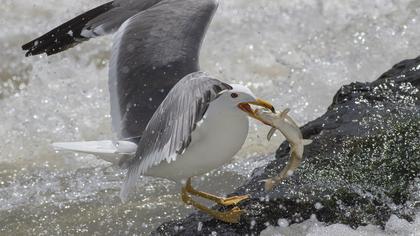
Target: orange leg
<point x="219" y="200"/>
<point x="231" y="216"/>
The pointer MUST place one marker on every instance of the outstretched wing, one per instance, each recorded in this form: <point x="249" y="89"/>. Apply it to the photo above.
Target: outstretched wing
<point x="157" y="44"/>
<point x="99" y="21"/>
<point x="152" y="51"/>
<point x="168" y="133"/>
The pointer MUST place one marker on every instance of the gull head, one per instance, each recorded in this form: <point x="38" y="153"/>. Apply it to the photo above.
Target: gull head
<point x="243" y="98"/>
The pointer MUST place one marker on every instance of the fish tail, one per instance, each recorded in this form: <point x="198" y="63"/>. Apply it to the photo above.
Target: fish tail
<point x="268" y="184"/>
<point x="306" y="141"/>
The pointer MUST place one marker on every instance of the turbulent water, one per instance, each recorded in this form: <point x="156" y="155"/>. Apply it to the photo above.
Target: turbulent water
<point x="293" y="53"/>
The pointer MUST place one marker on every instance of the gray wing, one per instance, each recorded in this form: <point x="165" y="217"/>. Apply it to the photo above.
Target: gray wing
<point x="168" y="132"/>
<point x="157" y="44"/>
<point x="152" y="51"/>
<point x="102" y="20"/>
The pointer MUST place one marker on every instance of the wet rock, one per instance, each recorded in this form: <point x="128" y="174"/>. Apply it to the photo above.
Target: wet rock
<point x="362" y="167"/>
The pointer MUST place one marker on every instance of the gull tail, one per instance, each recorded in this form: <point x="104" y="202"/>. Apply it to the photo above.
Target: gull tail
<point x="66" y="35"/>
<point x="128" y="186"/>
<point x="107" y="150"/>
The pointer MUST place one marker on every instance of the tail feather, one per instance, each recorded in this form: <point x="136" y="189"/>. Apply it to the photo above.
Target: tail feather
<point x="129" y="183"/>
<point x="116" y="152"/>
<point x="66" y="35"/>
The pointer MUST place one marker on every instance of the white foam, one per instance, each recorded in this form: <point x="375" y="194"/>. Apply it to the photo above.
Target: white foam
<point x="312" y="227"/>
<point x="294" y="53"/>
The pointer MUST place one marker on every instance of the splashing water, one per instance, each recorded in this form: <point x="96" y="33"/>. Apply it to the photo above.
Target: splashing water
<point x="294" y="53"/>
<point x="313" y="227"/>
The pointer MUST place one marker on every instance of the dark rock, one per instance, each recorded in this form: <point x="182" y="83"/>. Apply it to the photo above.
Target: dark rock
<point x="363" y="165"/>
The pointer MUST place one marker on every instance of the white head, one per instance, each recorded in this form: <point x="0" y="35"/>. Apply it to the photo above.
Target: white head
<point x="241" y="97"/>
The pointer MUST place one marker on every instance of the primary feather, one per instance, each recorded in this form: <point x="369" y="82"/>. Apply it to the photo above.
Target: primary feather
<point x="168" y="132"/>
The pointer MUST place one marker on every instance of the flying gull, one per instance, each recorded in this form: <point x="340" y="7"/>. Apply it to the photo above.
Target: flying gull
<point x="175" y="120"/>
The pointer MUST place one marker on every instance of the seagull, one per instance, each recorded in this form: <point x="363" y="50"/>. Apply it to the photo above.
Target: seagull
<point x="172" y="119"/>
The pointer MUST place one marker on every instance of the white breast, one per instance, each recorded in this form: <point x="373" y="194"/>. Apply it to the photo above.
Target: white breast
<point x="216" y="140"/>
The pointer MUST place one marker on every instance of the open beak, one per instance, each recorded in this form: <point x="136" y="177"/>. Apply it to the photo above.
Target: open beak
<point x="246" y="107"/>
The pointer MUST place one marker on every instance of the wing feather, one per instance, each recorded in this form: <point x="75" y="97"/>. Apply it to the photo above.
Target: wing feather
<point x="168" y="132"/>
<point x="152" y="51"/>
<point x="156" y="45"/>
<point x="102" y="20"/>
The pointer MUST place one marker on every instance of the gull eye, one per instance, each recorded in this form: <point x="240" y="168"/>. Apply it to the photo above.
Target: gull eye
<point x="234" y="95"/>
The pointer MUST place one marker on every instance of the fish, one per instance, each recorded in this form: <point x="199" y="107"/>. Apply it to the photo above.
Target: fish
<point x="291" y="131"/>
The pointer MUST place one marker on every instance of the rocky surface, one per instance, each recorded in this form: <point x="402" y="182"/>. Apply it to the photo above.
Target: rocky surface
<point x="362" y="167"/>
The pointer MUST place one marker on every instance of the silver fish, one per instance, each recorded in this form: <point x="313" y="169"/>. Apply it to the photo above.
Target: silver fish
<point x="291" y="131"/>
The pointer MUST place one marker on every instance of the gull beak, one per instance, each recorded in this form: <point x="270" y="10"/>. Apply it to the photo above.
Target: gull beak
<point x="245" y="106"/>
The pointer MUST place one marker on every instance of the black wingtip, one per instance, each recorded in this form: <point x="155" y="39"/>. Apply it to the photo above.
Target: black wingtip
<point x="27" y="47"/>
<point x="64" y="36"/>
